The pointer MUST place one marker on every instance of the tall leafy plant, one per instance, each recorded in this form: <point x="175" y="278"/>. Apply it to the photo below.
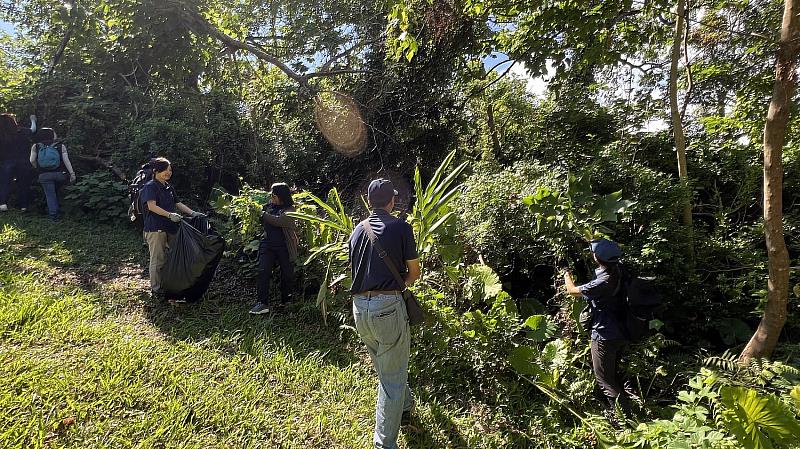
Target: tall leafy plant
<point x="330" y="233"/>
<point x="431" y="210"/>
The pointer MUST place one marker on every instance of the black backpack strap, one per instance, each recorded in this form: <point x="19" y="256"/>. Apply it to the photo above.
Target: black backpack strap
<point x="620" y="275"/>
<point x="382" y="253"/>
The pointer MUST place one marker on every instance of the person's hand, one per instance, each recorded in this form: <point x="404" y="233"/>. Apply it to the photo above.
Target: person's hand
<point x="198" y="214"/>
<point x="33" y="118"/>
<point x="72" y="178"/>
<point x="175" y="217"/>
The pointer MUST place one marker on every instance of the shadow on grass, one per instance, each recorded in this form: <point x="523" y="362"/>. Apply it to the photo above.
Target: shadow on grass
<point x="94" y="256"/>
<point x="89" y="255"/>
<point x="224" y="323"/>
<point x="418" y="435"/>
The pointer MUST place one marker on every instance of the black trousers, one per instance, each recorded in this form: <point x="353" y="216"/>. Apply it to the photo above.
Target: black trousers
<point x="606" y="355"/>
<point x="268" y="257"/>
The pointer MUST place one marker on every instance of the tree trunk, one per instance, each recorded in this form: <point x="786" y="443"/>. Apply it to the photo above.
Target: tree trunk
<point x="769" y="329"/>
<point x="677" y="125"/>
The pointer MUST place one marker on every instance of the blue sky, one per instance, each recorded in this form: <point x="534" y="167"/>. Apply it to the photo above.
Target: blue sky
<point x="6" y="27"/>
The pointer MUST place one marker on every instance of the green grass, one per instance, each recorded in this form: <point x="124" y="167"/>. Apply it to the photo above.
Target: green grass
<point x="87" y="361"/>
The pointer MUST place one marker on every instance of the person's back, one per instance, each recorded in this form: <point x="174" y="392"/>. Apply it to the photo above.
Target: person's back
<point x="605" y="299"/>
<point x="15" y="144"/>
<point x="379" y="310"/>
<point x="395" y="237"/>
<point x="605" y="296"/>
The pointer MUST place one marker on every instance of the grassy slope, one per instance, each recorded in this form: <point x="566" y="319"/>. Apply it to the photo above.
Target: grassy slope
<point x="87" y="361"/>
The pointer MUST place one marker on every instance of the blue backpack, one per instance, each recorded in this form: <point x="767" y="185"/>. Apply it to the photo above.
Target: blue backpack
<point x="49" y="156"/>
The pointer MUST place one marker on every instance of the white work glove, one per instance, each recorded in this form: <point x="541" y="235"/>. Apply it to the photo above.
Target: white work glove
<point x="198" y="214"/>
<point x="175" y="217"/>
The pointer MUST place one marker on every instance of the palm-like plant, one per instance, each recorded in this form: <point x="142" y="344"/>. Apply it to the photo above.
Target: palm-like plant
<point x="330" y="242"/>
<point x="333" y="228"/>
<point x="431" y="210"/>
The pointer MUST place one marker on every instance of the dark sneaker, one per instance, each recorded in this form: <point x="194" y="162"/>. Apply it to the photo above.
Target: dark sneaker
<point x="259" y="309"/>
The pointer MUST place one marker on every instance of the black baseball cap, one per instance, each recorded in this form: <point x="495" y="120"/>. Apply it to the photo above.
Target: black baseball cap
<point x="380" y="192"/>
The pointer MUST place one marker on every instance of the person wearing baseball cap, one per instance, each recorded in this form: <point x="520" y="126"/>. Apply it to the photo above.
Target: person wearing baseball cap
<point x="605" y="296"/>
<point x="379" y="309"/>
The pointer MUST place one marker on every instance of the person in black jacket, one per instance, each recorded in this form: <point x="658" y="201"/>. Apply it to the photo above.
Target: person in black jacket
<point x="278" y="246"/>
<point x="15" y="144"/>
<point x="605" y="297"/>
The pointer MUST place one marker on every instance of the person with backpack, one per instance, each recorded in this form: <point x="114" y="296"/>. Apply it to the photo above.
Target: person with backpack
<point x="49" y="156"/>
<point x="384" y="262"/>
<point x="278" y="246"/>
<point x="15" y="142"/>
<point x="160" y="203"/>
<point x="606" y="299"/>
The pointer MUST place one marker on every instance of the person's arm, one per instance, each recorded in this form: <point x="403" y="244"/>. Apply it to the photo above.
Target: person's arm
<point x="186" y="210"/>
<point x="33" y="124"/>
<point x="281" y="221"/>
<point x="570" y="286"/>
<point x="33" y="155"/>
<point x="67" y="163"/>
<point x="414" y="272"/>
<point x="411" y="256"/>
<point x="158" y="210"/>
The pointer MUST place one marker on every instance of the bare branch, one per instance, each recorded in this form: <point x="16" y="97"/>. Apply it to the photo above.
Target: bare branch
<point x="645" y="67"/>
<point x="326" y="66"/>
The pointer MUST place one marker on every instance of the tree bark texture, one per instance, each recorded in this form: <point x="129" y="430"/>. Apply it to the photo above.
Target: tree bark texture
<point x="677" y="123"/>
<point x="769" y="329"/>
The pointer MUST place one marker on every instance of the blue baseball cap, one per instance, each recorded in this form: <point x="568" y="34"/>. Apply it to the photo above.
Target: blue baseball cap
<point x="605" y="250"/>
<point x="380" y="192"/>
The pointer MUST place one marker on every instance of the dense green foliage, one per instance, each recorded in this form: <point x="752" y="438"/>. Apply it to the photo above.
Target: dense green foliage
<point x="502" y="182"/>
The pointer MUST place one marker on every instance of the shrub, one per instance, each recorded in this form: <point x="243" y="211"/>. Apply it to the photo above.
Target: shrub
<point x="101" y="196"/>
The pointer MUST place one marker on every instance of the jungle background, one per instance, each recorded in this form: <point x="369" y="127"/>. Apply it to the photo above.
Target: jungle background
<point x="650" y="130"/>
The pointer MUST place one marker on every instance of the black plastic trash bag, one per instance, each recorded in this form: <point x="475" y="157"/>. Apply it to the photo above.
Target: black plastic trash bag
<point x="192" y="259"/>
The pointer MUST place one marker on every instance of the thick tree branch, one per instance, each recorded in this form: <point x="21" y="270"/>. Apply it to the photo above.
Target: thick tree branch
<point x="200" y="25"/>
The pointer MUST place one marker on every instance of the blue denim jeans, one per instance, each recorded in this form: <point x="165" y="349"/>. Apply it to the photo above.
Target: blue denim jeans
<point x="23" y="173"/>
<point x="382" y="324"/>
<point x="50" y="182"/>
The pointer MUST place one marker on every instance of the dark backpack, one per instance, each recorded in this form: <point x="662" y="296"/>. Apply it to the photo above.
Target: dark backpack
<point x="641" y="304"/>
<point x="48" y="156"/>
<point x="143" y="176"/>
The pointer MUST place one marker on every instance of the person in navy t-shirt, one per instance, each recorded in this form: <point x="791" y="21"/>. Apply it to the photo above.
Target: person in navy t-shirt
<point x="605" y="297"/>
<point x="379" y="310"/>
<point x="160" y="203"/>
